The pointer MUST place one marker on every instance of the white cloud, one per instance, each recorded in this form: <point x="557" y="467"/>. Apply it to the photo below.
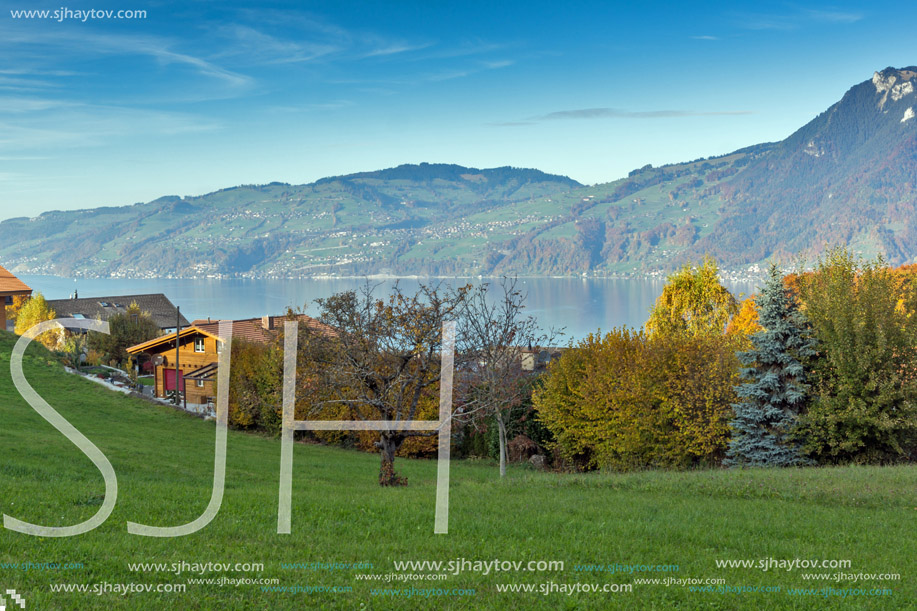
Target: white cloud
<point x="794" y="19"/>
<point x="82" y="126"/>
<point x="23" y="105"/>
<point x="616" y="113"/>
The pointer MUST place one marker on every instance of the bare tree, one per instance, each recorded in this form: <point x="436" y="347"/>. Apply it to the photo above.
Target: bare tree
<point x="505" y="344"/>
<point x="383" y="358"/>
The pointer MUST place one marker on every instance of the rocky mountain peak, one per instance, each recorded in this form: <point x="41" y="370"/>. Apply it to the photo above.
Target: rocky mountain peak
<point x="894" y="83"/>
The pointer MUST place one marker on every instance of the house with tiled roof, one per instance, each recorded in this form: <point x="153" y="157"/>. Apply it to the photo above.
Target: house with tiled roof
<point x="161" y="309"/>
<point x="10" y="287"/>
<point x="261" y="330"/>
<point x="198" y="354"/>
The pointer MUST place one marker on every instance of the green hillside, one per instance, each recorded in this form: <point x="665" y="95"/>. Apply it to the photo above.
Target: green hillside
<point x="846" y="177"/>
<point x="164" y="460"/>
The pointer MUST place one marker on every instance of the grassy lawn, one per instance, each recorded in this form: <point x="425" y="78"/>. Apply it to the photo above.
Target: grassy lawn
<point x="164" y="463"/>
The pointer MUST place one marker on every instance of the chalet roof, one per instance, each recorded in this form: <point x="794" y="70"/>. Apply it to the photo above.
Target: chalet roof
<point x="11" y="284"/>
<point x="158" y="305"/>
<point x="260" y="330"/>
<point x="169" y="337"/>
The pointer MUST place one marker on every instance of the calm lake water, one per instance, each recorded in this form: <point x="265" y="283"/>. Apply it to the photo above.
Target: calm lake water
<point x="581" y="306"/>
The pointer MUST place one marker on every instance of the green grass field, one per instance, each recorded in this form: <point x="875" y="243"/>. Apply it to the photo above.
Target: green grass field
<point x="164" y="463"/>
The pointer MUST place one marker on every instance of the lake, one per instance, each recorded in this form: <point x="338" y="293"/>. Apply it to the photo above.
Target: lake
<point x="581" y="305"/>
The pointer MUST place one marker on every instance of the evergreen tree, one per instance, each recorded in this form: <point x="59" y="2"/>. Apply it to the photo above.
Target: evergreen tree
<point x="776" y="388"/>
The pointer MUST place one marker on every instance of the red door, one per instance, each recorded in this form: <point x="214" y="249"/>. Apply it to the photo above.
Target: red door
<point x="169" y="379"/>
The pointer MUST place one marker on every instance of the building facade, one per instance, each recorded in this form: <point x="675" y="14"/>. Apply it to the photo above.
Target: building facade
<point x="198" y="355"/>
<point x="10" y="288"/>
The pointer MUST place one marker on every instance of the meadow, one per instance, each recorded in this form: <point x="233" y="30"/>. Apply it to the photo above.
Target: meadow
<point x="606" y="528"/>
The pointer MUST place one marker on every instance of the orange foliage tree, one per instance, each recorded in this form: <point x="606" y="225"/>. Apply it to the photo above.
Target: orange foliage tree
<point x="745" y="322"/>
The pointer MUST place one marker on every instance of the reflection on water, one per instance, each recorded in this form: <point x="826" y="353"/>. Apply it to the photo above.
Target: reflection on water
<point x="580" y="305"/>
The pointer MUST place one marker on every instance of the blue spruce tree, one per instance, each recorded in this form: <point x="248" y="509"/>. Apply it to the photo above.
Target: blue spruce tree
<point x="776" y="387"/>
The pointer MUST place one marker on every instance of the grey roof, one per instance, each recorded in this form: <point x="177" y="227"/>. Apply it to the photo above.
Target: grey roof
<point x="157" y="304"/>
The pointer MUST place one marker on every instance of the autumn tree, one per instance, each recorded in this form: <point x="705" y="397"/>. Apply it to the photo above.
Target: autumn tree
<point x="323" y="394"/>
<point x="255" y="386"/>
<point x="383" y="361"/>
<point x="12" y="310"/>
<point x="692" y="302"/>
<point x="745" y="322"/>
<point x="626" y="400"/>
<point x="775" y="391"/>
<point x="36" y="310"/>
<point x="865" y="373"/>
<point x="495" y="327"/>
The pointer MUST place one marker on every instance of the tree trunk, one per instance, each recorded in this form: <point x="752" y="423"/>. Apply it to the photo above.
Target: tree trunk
<point x="501" y="426"/>
<point x="388" y="445"/>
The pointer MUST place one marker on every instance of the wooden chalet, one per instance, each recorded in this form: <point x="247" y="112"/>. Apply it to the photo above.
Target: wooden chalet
<point x="199" y="348"/>
<point x="10" y="286"/>
<point x="198" y="353"/>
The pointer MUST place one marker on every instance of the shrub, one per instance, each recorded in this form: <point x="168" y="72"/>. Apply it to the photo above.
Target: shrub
<point x="127" y="329"/>
<point x="255" y="383"/>
<point x="627" y="400"/>
<point x="865" y="373"/>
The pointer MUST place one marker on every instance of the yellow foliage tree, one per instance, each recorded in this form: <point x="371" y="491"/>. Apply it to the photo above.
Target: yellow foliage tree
<point x="628" y="400"/>
<point x="12" y="311"/>
<point x="693" y="302"/>
<point x="36" y="310"/>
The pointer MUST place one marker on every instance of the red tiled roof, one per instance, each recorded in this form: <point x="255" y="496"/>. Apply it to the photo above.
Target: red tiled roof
<point x="11" y="284"/>
<point x="260" y="330"/>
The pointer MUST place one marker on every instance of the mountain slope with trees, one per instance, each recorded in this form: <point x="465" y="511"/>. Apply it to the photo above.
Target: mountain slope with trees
<point x="847" y="177"/>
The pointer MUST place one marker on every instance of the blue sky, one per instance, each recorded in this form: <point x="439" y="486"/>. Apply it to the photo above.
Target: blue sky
<point x="204" y="95"/>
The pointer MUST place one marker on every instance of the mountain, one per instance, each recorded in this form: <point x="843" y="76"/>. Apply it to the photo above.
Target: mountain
<point x="846" y="177"/>
<point x="354" y="224"/>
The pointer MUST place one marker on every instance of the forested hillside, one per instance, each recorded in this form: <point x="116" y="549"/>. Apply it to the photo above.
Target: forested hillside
<point x="845" y="178"/>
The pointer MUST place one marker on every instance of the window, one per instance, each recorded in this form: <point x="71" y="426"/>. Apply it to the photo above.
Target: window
<point x="200" y="383"/>
<point x="199" y="344"/>
<point x="219" y="347"/>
